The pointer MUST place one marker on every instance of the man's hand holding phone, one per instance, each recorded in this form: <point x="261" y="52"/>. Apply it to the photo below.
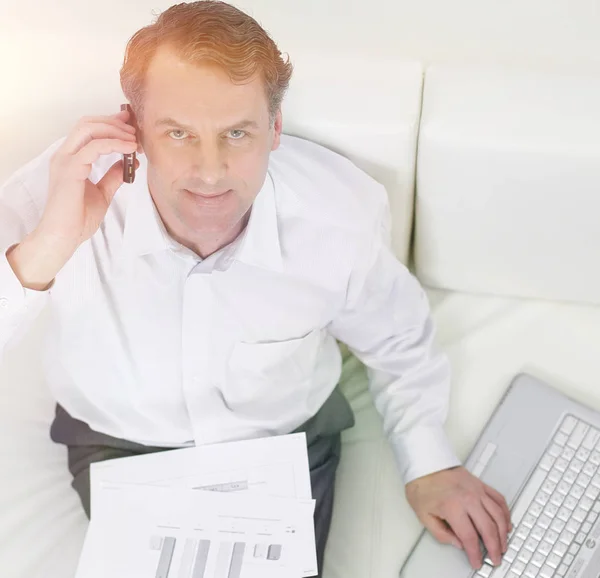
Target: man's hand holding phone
<point x="75" y="207"/>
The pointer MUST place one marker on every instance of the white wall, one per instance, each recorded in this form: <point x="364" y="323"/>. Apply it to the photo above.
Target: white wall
<point x="543" y="33"/>
<point x="60" y="59"/>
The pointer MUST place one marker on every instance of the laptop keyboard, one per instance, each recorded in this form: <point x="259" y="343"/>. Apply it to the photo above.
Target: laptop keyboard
<point x="556" y="510"/>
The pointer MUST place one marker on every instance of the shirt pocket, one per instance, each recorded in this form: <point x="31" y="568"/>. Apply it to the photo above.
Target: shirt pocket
<point x="272" y="373"/>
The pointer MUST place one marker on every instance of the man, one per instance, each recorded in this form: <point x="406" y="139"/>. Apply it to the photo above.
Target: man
<point x="203" y="302"/>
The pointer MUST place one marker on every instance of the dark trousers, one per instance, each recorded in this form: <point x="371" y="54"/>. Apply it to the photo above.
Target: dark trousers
<point x="86" y="446"/>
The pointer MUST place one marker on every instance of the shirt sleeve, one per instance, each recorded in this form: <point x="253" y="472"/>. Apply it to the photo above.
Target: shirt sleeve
<point x="386" y="323"/>
<point x="18" y="306"/>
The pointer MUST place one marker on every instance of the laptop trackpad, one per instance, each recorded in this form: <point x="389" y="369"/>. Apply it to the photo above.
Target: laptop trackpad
<point x="507" y="472"/>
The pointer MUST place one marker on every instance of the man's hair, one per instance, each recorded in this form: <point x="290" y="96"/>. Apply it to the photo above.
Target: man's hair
<point x="208" y="31"/>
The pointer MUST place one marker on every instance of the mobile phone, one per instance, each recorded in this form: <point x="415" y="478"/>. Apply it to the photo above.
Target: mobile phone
<point x="128" y="160"/>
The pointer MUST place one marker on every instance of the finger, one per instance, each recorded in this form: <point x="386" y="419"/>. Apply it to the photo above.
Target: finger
<point x="86" y="133"/>
<point x="501" y="501"/>
<point x="94" y="150"/>
<point x="497" y="515"/>
<point x="109" y="184"/>
<point x="79" y="166"/>
<point x="128" y="118"/>
<point x="121" y="118"/>
<point x="442" y="532"/>
<point x="463" y="527"/>
<point x="488" y="531"/>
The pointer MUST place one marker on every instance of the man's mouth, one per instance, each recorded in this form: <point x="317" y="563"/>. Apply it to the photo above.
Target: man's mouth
<point x="207" y="195"/>
<point x="208" y="199"/>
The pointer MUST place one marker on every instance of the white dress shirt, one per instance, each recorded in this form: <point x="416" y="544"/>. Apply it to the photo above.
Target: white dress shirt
<point x="150" y="343"/>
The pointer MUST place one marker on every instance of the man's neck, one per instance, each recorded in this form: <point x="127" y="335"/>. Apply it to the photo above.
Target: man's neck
<point x="204" y="247"/>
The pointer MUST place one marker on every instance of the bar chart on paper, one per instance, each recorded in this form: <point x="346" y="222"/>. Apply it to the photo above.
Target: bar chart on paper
<point x="184" y="554"/>
<point x="201" y="558"/>
<point x="150" y="532"/>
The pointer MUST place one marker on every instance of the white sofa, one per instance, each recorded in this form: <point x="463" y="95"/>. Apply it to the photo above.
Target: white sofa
<point x="507" y="173"/>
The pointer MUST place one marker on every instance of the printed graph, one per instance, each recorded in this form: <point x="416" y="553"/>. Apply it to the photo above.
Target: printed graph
<point x="200" y="558"/>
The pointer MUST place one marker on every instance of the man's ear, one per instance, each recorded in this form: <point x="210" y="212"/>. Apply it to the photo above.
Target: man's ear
<point x="277" y="127"/>
<point x="138" y="132"/>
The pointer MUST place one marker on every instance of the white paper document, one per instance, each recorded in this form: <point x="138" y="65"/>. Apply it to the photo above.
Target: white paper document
<point x="179" y="533"/>
<point x="275" y="466"/>
<point x="253" y="482"/>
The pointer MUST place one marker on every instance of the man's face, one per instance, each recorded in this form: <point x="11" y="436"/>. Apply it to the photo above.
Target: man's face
<point x="207" y="142"/>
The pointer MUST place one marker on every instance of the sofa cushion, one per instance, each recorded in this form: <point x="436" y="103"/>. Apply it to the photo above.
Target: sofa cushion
<point x="369" y="115"/>
<point x="508" y="183"/>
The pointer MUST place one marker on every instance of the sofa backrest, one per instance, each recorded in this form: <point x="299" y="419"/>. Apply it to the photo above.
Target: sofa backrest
<point x="359" y="109"/>
<point x="368" y="111"/>
<point x="508" y="183"/>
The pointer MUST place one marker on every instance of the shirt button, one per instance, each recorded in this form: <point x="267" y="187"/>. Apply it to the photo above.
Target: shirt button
<point x="3" y="302"/>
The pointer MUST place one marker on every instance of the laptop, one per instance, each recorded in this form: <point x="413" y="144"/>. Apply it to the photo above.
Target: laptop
<point x="541" y="450"/>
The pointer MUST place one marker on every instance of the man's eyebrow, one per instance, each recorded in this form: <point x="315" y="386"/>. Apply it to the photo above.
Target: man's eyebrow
<point x="243" y="124"/>
<point x="168" y="121"/>
<point x="171" y="122"/>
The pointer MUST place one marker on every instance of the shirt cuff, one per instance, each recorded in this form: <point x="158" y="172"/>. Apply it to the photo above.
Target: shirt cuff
<point x="14" y="298"/>
<point x="422" y="451"/>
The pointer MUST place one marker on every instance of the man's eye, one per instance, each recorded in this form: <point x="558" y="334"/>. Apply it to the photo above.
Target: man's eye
<point x="236" y="134"/>
<point x="178" y="130"/>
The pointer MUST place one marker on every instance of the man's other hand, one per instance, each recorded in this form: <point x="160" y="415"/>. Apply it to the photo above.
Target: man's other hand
<point x="457" y="508"/>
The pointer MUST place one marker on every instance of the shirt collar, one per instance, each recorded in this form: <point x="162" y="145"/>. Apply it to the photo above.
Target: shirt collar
<point x="258" y="246"/>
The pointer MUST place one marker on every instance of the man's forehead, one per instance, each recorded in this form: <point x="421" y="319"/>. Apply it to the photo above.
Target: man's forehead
<point x="167" y="64"/>
<point x="174" y="85"/>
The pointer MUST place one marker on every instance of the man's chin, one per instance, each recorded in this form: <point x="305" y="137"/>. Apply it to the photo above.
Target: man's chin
<point x="211" y="228"/>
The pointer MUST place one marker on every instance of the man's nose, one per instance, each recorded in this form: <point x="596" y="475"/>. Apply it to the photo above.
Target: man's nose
<point x="211" y="165"/>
